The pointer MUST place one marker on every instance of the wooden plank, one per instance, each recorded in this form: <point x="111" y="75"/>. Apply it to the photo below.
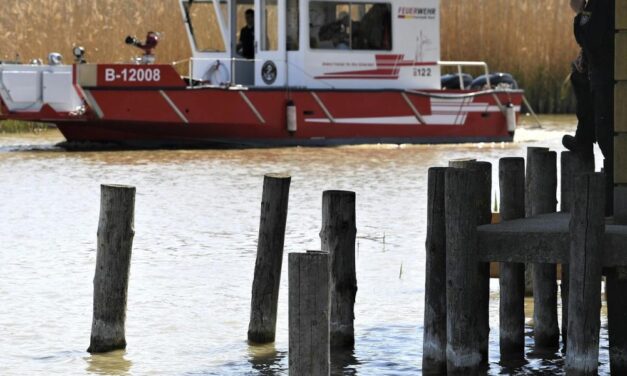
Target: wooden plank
<point x="543" y="238"/>
<point x="621" y="15"/>
<point x="620" y="203"/>
<point x="620" y="106"/>
<point x="620" y="158"/>
<point x="620" y="69"/>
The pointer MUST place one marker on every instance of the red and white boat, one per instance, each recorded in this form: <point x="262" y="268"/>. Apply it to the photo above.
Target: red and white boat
<point x="324" y="73"/>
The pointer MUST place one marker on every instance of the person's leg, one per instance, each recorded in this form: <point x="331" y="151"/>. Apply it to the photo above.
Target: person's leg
<point x="585" y="108"/>
<point x="604" y="126"/>
<point x="585" y="134"/>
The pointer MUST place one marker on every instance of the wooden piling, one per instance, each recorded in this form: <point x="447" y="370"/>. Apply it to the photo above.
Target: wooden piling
<point x="616" y="282"/>
<point x="572" y="164"/>
<point x="463" y="353"/>
<point x="265" y="290"/>
<point x="434" y="338"/>
<point x="309" y="308"/>
<point x="483" y="210"/>
<point x="542" y="189"/>
<point x="512" y="275"/>
<point x="615" y="286"/>
<point x="587" y="228"/>
<point x="528" y="180"/>
<point x="113" y="262"/>
<point x="338" y="239"/>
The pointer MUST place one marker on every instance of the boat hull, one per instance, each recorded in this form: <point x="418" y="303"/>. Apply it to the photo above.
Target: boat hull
<point x="218" y="117"/>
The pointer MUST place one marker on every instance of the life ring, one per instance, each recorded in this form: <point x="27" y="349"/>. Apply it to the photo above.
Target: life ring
<point x="217" y="74"/>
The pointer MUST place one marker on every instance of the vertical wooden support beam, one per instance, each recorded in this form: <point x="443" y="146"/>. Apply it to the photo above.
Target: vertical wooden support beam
<point x="512" y="275"/>
<point x="542" y="199"/>
<point x="587" y="228"/>
<point x="434" y="338"/>
<point x="338" y="239"/>
<point x="572" y="164"/>
<point x="483" y="210"/>
<point x="616" y="282"/>
<point x="528" y="181"/>
<point x="113" y="263"/>
<point x="616" y="285"/>
<point x="309" y="303"/>
<point x="463" y="355"/>
<point x="265" y="290"/>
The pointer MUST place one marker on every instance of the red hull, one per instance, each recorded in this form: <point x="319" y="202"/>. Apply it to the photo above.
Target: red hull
<point x="257" y="117"/>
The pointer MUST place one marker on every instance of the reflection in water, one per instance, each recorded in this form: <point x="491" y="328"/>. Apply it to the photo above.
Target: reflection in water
<point x="111" y="363"/>
<point x="343" y="362"/>
<point x="266" y="360"/>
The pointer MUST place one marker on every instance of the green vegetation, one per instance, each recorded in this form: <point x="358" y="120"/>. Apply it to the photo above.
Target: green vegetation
<point x="14" y="126"/>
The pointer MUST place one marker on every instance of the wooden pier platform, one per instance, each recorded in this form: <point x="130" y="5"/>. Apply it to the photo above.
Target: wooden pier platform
<point x="544" y="238"/>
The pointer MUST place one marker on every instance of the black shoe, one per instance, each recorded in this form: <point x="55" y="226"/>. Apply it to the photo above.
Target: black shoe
<point x="571" y="143"/>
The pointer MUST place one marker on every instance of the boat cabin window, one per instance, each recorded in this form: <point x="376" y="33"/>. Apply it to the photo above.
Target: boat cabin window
<point x="292" y="25"/>
<point x="205" y="26"/>
<point x="350" y="26"/>
<point x="270" y="25"/>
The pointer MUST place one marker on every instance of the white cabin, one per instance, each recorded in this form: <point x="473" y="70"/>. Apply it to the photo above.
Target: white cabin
<point x="357" y="44"/>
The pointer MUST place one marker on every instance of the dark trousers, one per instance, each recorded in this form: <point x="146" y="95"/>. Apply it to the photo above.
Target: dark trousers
<point x="595" y="122"/>
<point x="585" y="133"/>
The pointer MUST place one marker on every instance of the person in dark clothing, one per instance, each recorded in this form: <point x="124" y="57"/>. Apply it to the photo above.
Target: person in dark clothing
<point x="246" y="45"/>
<point x="594" y="32"/>
<point x="585" y="136"/>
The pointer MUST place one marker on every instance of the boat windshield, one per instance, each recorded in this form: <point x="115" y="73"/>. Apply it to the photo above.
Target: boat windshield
<point x="205" y="25"/>
<point x="350" y="26"/>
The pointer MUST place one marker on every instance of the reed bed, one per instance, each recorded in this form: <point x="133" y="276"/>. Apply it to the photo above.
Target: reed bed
<point x="530" y="39"/>
<point x="14" y="126"/>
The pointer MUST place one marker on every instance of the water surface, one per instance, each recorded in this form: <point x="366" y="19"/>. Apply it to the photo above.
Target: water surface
<point x="197" y="217"/>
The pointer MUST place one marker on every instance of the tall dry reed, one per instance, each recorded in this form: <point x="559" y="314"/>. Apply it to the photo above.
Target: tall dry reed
<point x="531" y="39"/>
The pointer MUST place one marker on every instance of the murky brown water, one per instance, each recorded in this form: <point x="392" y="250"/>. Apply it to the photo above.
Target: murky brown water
<point x="197" y="216"/>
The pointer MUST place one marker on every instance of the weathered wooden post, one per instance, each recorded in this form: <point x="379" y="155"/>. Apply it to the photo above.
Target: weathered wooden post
<point x="434" y="338"/>
<point x="463" y="353"/>
<point x="483" y="210"/>
<point x="528" y="179"/>
<point x="265" y="290"/>
<point x="587" y="228"/>
<point x="616" y="281"/>
<point x="512" y="275"/>
<point x="542" y="189"/>
<point x="338" y="239"/>
<point x="615" y="287"/>
<point x="572" y="164"/>
<point x="309" y="304"/>
<point x="113" y="262"/>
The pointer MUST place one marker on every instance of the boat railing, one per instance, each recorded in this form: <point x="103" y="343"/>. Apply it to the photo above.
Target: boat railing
<point x="460" y="64"/>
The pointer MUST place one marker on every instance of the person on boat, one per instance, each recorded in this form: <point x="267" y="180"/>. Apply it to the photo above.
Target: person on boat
<point x="594" y="32"/>
<point x="246" y="45"/>
<point x="336" y="32"/>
